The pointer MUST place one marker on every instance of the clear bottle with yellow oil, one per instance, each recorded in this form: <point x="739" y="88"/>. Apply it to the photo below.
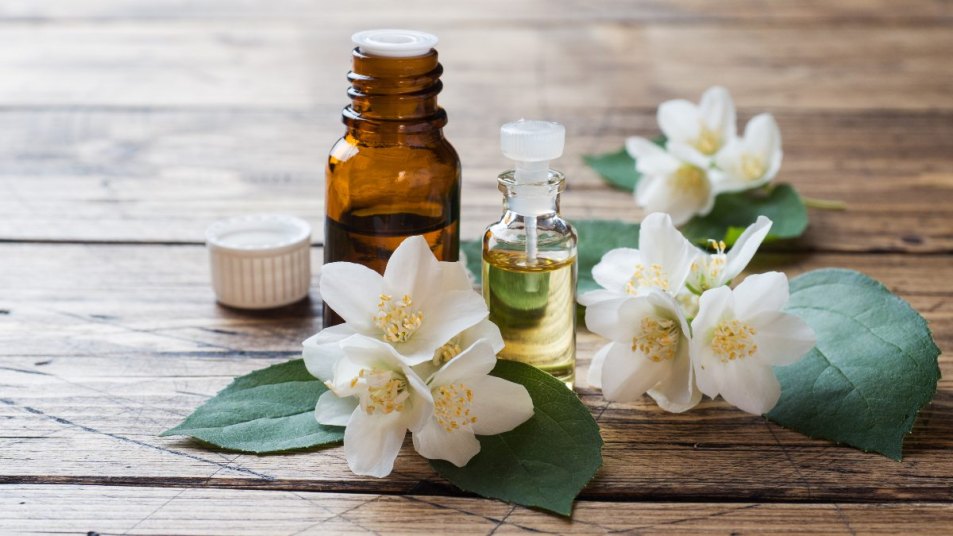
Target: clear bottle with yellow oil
<point x="529" y="256"/>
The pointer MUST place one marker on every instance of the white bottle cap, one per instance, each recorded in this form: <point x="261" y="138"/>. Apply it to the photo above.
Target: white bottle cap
<point x="394" y="43"/>
<point x="532" y="144"/>
<point x="260" y="261"/>
<point x="532" y="141"/>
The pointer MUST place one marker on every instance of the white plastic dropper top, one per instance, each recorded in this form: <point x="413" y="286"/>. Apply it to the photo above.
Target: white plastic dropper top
<point x="532" y="144"/>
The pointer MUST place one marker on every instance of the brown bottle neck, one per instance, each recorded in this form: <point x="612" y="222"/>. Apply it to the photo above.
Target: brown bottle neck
<point x="394" y="96"/>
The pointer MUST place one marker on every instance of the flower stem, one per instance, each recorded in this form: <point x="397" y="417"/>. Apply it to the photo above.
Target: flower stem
<point x="823" y="204"/>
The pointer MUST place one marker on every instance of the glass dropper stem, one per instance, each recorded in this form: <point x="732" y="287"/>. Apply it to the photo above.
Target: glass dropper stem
<point x="531" y="244"/>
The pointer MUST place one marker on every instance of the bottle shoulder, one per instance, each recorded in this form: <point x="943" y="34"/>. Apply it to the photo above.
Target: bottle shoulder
<point x="511" y="232"/>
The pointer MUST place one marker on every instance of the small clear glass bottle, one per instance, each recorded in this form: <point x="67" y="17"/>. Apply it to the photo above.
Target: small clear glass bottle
<point x="529" y="256"/>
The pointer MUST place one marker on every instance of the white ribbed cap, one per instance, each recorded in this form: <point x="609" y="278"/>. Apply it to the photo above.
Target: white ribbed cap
<point x="394" y="43"/>
<point x="532" y="141"/>
<point x="260" y="261"/>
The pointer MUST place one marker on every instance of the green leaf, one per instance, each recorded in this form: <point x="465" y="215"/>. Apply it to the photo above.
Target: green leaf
<point x="735" y="211"/>
<point x="874" y="366"/>
<point x="617" y="169"/>
<point x="543" y="462"/>
<point x="269" y="410"/>
<point x="596" y="237"/>
<point x="473" y="250"/>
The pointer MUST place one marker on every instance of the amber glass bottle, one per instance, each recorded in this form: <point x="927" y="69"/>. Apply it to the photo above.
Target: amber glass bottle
<point x="393" y="174"/>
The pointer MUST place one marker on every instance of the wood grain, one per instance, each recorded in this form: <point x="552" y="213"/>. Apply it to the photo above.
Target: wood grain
<point x="596" y="67"/>
<point x="134" y="341"/>
<point x="528" y="12"/>
<point x="144" y="510"/>
<point x="127" y="127"/>
<point x="148" y="176"/>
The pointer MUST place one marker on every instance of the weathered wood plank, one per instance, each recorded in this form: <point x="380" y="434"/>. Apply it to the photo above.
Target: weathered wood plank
<point x="422" y="12"/>
<point x="596" y="66"/>
<point x="143" y="510"/>
<point x="164" y="176"/>
<point x="132" y="341"/>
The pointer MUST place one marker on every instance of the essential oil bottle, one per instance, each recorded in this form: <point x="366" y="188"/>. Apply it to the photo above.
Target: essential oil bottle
<point x="529" y="256"/>
<point x="392" y="174"/>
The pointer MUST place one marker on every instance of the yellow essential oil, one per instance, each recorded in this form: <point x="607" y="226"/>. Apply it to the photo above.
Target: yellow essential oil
<point x="534" y="307"/>
<point x="529" y="256"/>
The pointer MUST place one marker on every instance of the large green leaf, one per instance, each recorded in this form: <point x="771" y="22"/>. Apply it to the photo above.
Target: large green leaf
<point x="269" y="410"/>
<point x="596" y="237"/>
<point x="735" y="211"/>
<point x="874" y="366"/>
<point x="545" y="461"/>
<point x="616" y="168"/>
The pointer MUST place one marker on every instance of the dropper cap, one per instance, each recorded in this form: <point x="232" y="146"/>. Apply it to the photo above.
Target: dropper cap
<point x="393" y="43"/>
<point x="532" y="144"/>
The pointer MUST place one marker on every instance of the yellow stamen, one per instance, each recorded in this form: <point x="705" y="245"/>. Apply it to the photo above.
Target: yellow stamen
<point x="398" y="321"/>
<point x="655" y="276"/>
<point x="689" y="179"/>
<point x="708" y="141"/>
<point x="733" y="339"/>
<point x="386" y="391"/>
<point x="447" y="352"/>
<point x="752" y="167"/>
<point x="658" y="340"/>
<point x="451" y="406"/>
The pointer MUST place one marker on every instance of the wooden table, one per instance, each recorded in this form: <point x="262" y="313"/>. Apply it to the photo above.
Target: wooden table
<point x="125" y="130"/>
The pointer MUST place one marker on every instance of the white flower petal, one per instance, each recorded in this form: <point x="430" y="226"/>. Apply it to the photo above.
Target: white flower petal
<point x="435" y="443"/>
<point x="345" y="370"/>
<point x="664" y="195"/>
<point x="717" y="111"/>
<point x="594" y="376"/>
<point x="762" y="136"/>
<point x="352" y="291"/>
<point x="322" y="351"/>
<point x="627" y="375"/>
<point x="708" y="369"/>
<point x="732" y="178"/>
<point x="678" y="392"/>
<point x="713" y="305"/>
<point x="744" y="248"/>
<point x="333" y="410"/>
<point x="678" y="119"/>
<point x="371" y="442"/>
<point x="616" y="268"/>
<point x="420" y="409"/>
<point x="595" y="296"/>
<point x="750" y="387"/>
<point x="759" y="293"/>
<point x="483" y="330"/>
<point x="412" y="270"/>
<point x="687" y="154"/>
<point x="445" y="316"/>
<point x="782" y="338"/>
<point x="661" y="243"/>
<point x="454" y="277"/>
<point x="650" y="159"/>
<point x="607" y="318"/>
<point x="639" y="147"/>
<point x="473" y="362"/>
<point x="498" y="405"/>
